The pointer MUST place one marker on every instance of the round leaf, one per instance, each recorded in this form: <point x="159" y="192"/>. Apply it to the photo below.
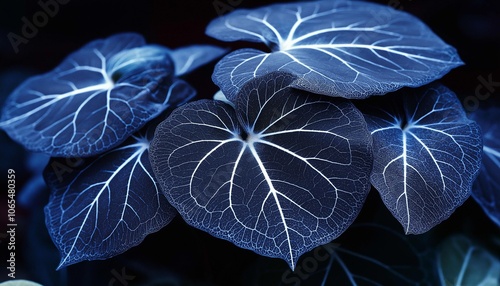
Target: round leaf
<point x="281" y="173"/>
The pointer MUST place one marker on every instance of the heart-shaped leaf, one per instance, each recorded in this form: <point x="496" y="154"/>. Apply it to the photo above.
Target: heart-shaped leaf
<point x="96" y="98"/>
<point x="426" y="154"/>
<point x="102" y="206"/>
<point x="350" y="49"/>
<point x="281" y="173"/>
<point x="486" y="189"/>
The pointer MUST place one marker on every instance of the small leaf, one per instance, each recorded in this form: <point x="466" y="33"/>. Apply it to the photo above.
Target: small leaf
<point x="351" y="49"/>
<point x="426" y="154"/>
<point x="281" y="173"/>
<point x="486" y="189"/>
<point x="462" y="262"/>
<point x="96" y="98"/>
<point x="102" y="206"/>
<point x="187" y="59"/>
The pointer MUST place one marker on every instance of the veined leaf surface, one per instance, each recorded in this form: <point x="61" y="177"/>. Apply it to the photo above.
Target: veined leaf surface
<point x="351" y="49"/>
<point x="280" y="173"/>
<point x="96" y="98"/>
<point x="426" y="154"/>
<point x="102" y="206"/>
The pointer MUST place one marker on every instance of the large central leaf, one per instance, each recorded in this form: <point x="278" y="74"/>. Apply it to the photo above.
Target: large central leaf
<point x="281" y="173"/>
<point x="350" y="49"/>
<point x="426" y="154"/>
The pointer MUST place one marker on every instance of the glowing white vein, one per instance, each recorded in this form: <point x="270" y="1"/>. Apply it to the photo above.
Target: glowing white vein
<point x="274" y="192"/>
<point x="95" y="201"/>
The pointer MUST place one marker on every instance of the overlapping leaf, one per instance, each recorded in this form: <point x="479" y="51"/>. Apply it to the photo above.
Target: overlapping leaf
<point x="280" y="173"/>
<point x="350" y="49"/>
<point x="102" y="206"/>
<point x="426" y="154"/>
<point x="187" y="59"/>
<point x="486" y="189"/>
<point x="95" y="99"/>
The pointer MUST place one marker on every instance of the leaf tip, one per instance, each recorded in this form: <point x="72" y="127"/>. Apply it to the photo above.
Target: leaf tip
<point x="62" y="264"/>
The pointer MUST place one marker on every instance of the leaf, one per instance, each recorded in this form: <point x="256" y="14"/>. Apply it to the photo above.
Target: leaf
<point x="187" y="59"/>
<point x="486" y="189"/>
<point x="102" y="206"/>
<point x="281" y="173"/>
<point x="351" y="49"/>
<point x="426" y="154"/>
<point x="462" y="262"/>
<point x="96" y="98"/>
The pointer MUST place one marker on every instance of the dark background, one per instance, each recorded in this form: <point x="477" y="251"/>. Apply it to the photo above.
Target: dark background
<point x="178" y="254"/>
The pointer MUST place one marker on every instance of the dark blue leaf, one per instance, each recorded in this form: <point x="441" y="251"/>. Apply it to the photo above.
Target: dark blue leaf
<point x="102" y="206"/>
<point x="426" y="154"/>
<point x="95" y="99"/>
<point x="350" y="49"/>
<point x="486" y="189"/>
<point x="187" y="59"/>
<point x="281" y="173"/>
